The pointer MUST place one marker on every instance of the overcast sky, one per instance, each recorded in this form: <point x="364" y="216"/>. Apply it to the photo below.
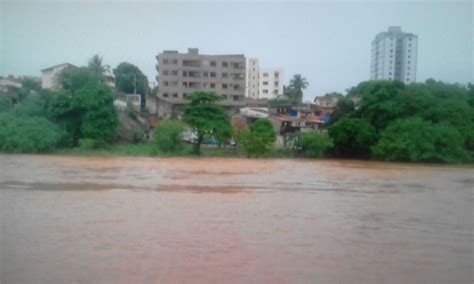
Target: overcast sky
<point x="329" y="43"/>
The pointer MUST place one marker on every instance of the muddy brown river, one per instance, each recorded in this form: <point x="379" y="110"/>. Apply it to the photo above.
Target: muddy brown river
<point x="183" y="220"/>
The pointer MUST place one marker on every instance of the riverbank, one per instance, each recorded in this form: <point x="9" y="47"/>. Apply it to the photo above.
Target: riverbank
<point x="151" y="150"/>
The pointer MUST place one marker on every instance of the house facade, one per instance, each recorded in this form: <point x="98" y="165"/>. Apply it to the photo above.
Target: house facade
<point x="49" y="76"/>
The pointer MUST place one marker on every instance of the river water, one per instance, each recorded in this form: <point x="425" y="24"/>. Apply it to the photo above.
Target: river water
<point x="181" y="220"/>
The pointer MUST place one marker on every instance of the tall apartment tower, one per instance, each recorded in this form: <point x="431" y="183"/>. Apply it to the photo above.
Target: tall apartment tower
<point x="394" y="56"/>
<point x="263" y="83"/>
<point x="253" y="74"/>
<point x="180" y="74"/>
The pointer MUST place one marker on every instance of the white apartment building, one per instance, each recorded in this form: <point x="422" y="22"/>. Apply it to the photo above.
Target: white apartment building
<point x="394" y="56"/>
<point x="263" y="83"/>
<point x="49" y="75"/>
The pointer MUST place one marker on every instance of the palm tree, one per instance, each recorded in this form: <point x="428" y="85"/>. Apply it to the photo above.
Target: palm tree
<point x="95" y="65"/>
<point x="297" y="84"/>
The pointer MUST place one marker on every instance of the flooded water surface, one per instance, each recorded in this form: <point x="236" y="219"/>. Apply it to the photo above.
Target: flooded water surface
<point x="180" y="220"/>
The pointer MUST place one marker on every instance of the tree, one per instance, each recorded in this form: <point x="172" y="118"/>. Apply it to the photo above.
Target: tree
<point x="313" y="144"/>
<point x="297" y="84"/>
<point x="72" y="79"/>
<point x="88" y="113"/>
<point x="352" y="137"/>
<point x="96" y="67"/>
<point x="168" y="135"/>
<point x="344" y="106"/>
<point x="205" y="117"/>
<point x="128" y="79"/>
<point x="259" y="139"/>
<point x="417" y="140"/>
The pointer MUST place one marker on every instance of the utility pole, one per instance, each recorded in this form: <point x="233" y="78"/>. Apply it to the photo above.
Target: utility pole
<point x="134" y="84"/>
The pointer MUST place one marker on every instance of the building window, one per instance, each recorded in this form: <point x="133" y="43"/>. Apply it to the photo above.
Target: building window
<point x="175" y="95"/>
<point x="184" y="95"/>
<point x="265" y="91"/>
<point x="185" y="74"/>
<point x="225" y="97"/>
<point x="165" y="83"/>
<point x="265" y="83"/>
<point x="408" y="62"/>
<point x="165" y="61"/>
<point x="224" y="86"/>
<point x="165" y="95"/>
<point x="213" y="74"/>
<point x="408" y="79"/>
<point x="213" y="63"/>
<point x="213" y="85"/>
<point x="165" y="72"/>
<point x="236" y="98"/>
<point x="225" y="75"/>
<point x="205" y="74"/>
<point x="276" y="84"/>
<point x="225" y="64"/>
<point x="174" y="72"/>
<point x="265" y="74"/>
<point x="276" y="74"/>
<point x="175" y="61"/>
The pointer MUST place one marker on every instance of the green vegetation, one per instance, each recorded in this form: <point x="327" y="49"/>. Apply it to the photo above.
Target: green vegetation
<point x="129" y="78"/>
<point x="417" y="140"/>
<point x="420" y="122"/>
<point x="168" y="136"/>
<point x="259" y="138"/>
<point x="295" y="90"/>
<point x="96" y="67"/>
<point x="25" y="134"/>
<point x="85" y="111"/>
<point x="206" y="118"/>
<point x="313" y="144"/>
<point x="5" y="104"/>
<point x="81" y="114"/>
<point x="352" y="137"/>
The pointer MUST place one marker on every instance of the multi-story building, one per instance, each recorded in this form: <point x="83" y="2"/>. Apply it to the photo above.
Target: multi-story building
<point x="394" y="56"/>
<point x="253" y="74"/>
<point x="180" y="74"/>
<point x="49" y="75"/>
<point x="263" y="83"/>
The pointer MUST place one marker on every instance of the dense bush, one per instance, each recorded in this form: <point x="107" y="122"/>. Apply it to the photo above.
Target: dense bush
<point x="86" y="144"/>
<point x="415" y="139"/>
<point x="352" y="137"/>
<point x="27" y="134"/>
<point x="5" y="104"/>
<point x="259" y="138"/>
<point x="390" y="107"/>
<point x="168" y="136"/>
<point x="87" y="112"/>
<point x="314" y="144"/>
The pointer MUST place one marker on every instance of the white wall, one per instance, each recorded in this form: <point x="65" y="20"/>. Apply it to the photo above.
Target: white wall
<point x="271" y="83"/>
